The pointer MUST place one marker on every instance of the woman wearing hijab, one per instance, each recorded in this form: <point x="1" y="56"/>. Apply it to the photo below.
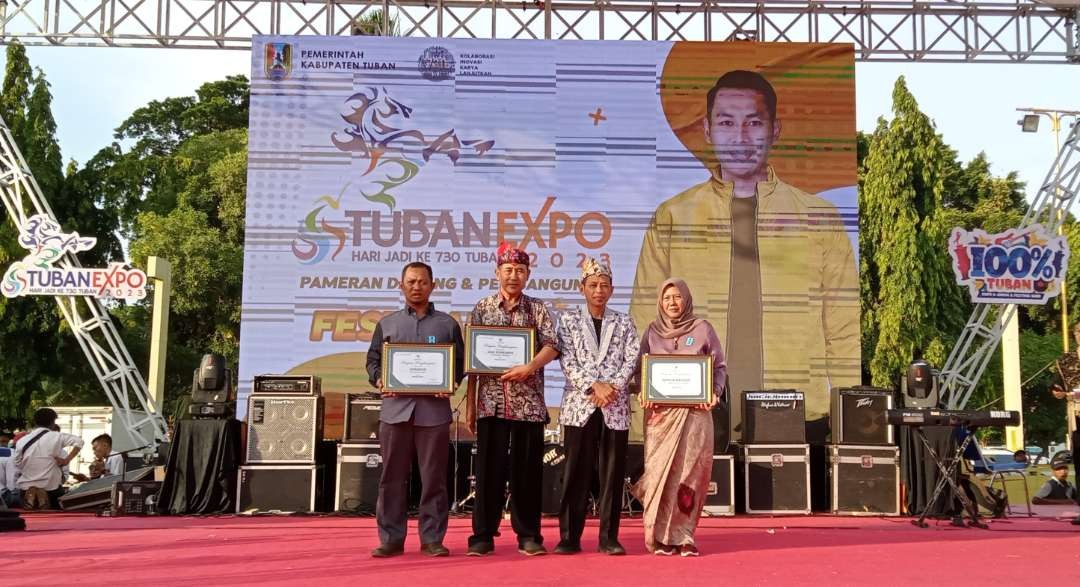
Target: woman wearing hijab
<point x="678" y="440"/>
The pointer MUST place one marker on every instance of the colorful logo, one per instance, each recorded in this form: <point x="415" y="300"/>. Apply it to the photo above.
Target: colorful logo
<point x="277" y="61"/>
<point x="1018" y="266"/>
<point x="46" y="244"/>
<point x="380" y="130"/>
<point x="436" y="64"/>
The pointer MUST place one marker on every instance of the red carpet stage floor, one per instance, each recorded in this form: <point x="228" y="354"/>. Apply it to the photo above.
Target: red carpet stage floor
<point x="72" y="549"/>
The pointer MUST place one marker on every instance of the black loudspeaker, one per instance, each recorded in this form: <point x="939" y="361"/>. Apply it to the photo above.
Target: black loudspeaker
<point x="865" y="480"/>
<point x="721" y="430"/>
<point x="552" y="482"/>
<point x="920" y="386"/>
<point x="635" y="461"/>
<point x="135" y="498"/>
<point x="281" y="488"/>
<point x="777" y="478"/>
<point x="858" y="416"/>
<point x="720" y="500"/>
<point x="362" y="419"/>
<point x="359" y="467"/>
<point x="774" y="416"/>
<point x="283" y="429"/>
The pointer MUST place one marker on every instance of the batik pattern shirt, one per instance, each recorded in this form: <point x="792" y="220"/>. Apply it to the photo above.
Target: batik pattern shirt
<point x="523" y="400"/>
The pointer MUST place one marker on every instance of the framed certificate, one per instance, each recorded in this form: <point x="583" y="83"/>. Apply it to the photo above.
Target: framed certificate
<point x="421" y="369"/>
<point x="677" y="380"/>
<point x="494" y="349"/>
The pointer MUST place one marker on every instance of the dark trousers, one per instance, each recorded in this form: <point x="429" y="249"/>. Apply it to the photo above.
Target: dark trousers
<point x="1076" y="456"/>
<point x="525" y="441"/>
<point x="397" y="445"/>
<point x="588" y="447"/>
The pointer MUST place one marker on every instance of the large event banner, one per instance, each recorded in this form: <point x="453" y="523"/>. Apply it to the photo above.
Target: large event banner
<point x="367" y="153"/>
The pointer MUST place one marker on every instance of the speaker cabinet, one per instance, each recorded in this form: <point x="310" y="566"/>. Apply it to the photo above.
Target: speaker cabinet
<point x="865" y="480"/>
<point x="552" y="481"/>
<point x="774" y="416"/>
<point x="720" y="500"/>
<point x="359" y="467"/>
<point x="283" y="429"/>
<point x="859" y="416"/>
<point x="777" y="478"/>
<point x="362" y="420"/>
<point x="277" y="488"/>
<point x="135" y="498"/>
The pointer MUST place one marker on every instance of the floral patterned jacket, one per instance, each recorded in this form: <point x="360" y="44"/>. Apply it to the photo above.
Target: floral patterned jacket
<point x="521" y="400"/>
<point x="584" y="362"/>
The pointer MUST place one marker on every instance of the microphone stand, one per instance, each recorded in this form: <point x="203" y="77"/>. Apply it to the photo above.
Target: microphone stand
<point x="456" y="505"/>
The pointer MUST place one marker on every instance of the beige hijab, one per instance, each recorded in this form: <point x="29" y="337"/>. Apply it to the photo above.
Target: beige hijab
<point x="665" y="327"/>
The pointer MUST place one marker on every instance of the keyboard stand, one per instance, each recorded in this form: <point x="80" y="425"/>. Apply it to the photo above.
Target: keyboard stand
<point x="948" y="472"/>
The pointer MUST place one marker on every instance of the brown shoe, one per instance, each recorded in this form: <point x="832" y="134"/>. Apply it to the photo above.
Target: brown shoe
<point x="388" y="550"/>
<point x="434" y="549"/>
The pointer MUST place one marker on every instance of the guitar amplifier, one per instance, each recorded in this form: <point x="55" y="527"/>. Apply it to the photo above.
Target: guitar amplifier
<point x="774" y="416"/>
<point x="283" y="428"/>
<point x="858" y="416"/>
<point x="777" y="478"/>
<point x="287" y="385"/>
<point x="362" y="419"/>
<point x="720" y="499"/>
<point x="865" y="480"/>
<point x="278" y="488"/>
<point x="135" y="498"/>
<point x="359" y="467"/>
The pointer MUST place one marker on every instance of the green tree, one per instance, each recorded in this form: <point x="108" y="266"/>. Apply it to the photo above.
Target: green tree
<point x="144" y="176"/>
<point x="911" y="304"/>
<point x="42" y="361"/>
<point x="370" y="24"/>
<point x="179" y="185"/>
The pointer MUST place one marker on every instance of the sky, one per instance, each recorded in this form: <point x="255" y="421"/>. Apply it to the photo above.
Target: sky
<point x="973" y="105"/>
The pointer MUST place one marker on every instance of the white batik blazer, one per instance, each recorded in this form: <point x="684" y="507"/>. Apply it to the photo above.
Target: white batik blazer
<point x="585" y="362"/>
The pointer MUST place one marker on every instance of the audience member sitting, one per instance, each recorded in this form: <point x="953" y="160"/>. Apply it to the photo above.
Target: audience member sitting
<point x="9" y="491"/>
<point x="1057" y="490"/>
<point x="39" y="456"/>
<point x="104" y="463"/>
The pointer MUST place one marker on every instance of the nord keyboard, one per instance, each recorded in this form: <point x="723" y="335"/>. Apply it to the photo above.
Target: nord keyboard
<point x="940" y="417"/>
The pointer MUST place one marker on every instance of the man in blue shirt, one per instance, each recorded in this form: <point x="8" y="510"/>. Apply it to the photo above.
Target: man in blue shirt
<point x="412" y="424"/>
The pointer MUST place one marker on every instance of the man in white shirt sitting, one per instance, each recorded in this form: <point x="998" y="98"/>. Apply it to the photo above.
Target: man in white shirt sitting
<point x="9" y="492"/>
<point x="39" y="456"/>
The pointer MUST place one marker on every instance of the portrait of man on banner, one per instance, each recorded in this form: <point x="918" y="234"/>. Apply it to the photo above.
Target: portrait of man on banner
<point x="774" y="267"/>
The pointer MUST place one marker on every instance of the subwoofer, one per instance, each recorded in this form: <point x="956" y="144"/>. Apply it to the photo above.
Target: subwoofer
<point x="858" y="416"/>
<point x="774" y="417"/>
<point x="283" y="429"/>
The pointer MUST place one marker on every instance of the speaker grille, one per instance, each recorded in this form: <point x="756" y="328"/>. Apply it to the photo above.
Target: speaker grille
<point x="283" y="429"/>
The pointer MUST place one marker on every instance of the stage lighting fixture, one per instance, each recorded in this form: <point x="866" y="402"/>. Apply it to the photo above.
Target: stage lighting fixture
<point x="211" y="388"/>
<point x="1029" y="123"/>
<point x="920" y="388"/>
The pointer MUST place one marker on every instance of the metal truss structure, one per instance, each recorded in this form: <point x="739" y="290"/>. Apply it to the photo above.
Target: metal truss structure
<point x="997" y="31"/>
<point x="88" y="319"/>
<point x="982" y="333"/>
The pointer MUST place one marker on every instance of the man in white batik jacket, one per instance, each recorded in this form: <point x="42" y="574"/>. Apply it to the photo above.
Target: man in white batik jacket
<point x="599" y="353"/>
